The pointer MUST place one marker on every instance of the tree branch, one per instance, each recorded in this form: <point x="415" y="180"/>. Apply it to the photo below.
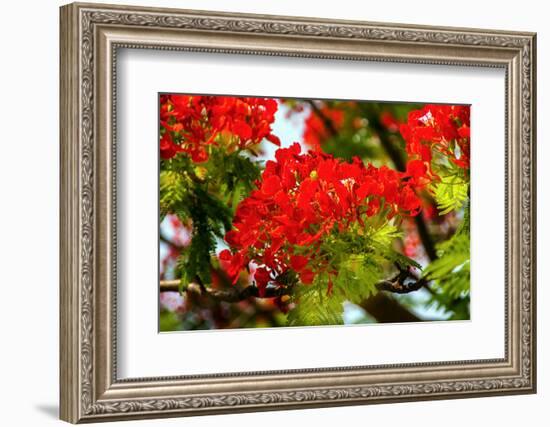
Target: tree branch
<point x="228" y="295"/>
<point x="387" y="310"/>
<point x="403" y="283"/>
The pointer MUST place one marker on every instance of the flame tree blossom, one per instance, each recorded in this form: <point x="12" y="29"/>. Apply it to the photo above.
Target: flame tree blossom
<point x="437" y="141"/>
<point x="303" y="200"/>
<point x="190" y="123"/>
<point x="443" y="129"/>
<point x="207" y="148"/>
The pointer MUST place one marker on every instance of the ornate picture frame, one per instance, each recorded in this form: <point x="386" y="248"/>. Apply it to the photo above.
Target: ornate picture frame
<point x="90" y="37"/>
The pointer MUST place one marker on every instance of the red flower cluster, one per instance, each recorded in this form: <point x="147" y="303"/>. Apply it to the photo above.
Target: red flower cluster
<point x="444" y="128"/>
<point x="191" y="123"/>
<point x="302" y="199"/>
<point x="315" y="131"/>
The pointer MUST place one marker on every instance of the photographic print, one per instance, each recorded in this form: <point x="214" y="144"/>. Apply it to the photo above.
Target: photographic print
<point x="280" y="214"/>
<point x="301" y="212"/>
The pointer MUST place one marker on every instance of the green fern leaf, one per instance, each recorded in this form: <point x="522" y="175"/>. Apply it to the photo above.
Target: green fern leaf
<point x="450" y="193"/>
<point x="450" y="272"/>
<point x="313" y="307"/>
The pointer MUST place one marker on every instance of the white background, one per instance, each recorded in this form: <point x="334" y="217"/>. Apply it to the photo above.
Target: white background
<point x="29" y="170"/>
<point x="141" y="347"/>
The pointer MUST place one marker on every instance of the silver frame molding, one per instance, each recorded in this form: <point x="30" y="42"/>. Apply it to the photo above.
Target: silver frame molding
<point x="90" y="37"/>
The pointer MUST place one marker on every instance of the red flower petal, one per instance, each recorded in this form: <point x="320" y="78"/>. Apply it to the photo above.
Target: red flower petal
<point x="271" y="185"/>
<point x="307" y="276"/>
<point x="242" y="129"/>
<point x="464" y="131"/>
<point x="273" y="139"/>
<point x="225" y="255"/>
<point x="298" y="262"/>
